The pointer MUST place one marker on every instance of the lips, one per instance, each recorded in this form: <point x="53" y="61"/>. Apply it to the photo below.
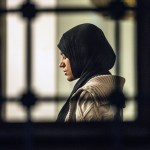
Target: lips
<point x="65" y="72"/>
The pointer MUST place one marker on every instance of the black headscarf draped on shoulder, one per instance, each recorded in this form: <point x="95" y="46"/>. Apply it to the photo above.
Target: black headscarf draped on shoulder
<point x="89" y="53"/>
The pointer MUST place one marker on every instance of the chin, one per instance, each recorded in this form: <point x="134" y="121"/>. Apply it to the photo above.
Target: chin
<point x="70" y="78"/>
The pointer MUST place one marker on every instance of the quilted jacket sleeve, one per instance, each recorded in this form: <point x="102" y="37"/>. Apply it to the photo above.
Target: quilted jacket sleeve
<point x="90" y="109"/>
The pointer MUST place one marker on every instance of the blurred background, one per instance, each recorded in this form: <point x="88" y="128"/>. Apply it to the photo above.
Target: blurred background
<point x="48" y="79"/>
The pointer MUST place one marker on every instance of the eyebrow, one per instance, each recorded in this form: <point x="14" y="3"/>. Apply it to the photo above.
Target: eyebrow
<point x="62" y="54"/>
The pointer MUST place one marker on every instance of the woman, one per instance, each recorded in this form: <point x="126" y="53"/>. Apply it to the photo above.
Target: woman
<point x="87" y="55"/>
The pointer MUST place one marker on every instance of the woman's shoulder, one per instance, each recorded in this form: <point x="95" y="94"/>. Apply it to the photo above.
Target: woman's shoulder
<point x="101" y="85"/>
<point x="105" y="80"/>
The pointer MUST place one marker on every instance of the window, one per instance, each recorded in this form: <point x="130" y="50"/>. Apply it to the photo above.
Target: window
<point x="48" y="80"/>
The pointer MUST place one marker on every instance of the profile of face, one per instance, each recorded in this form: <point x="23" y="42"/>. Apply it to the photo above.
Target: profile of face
<point x="85" y="50"/>
<point x="65" y="65"/>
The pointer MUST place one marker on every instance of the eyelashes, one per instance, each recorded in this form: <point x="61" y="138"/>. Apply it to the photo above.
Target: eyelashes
<point x="63" y="57"/>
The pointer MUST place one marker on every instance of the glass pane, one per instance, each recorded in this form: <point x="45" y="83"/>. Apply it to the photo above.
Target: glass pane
<point x="74" y="3"/>
<point x="44" y="55"/>
<point x="128" y="53"/>
<point x="44" y="111"/>
<point x="15" y="76"/>
<point x="92" y="2"/>
<point x="14" y="3"/>
<point x="45" y="3"/>
<point x="15" y="112"/>
<point x="128" y="66"/>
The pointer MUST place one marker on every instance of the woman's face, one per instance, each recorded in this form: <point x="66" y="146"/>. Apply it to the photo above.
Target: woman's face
<point x="65" y="65"/>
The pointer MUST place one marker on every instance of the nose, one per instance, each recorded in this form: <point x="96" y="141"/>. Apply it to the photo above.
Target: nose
<point x="61" y="64"/>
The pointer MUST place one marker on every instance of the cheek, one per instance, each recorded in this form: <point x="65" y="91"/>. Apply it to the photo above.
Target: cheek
<point x="68" y="64"/>
<point x="70" y="70"/>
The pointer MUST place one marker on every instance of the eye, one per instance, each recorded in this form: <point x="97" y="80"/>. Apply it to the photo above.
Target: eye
<point x="64" y="57"/>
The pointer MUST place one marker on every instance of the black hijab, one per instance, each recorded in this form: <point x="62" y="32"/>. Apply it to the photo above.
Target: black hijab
<point x="89" y="53"/>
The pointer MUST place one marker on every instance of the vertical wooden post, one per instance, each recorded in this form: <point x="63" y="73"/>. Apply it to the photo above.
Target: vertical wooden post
<point x="2" y="59"/>
<point x="143" y="58"/>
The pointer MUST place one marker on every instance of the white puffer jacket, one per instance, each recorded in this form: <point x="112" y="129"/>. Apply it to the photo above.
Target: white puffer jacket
<point x="92" y="103"/>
